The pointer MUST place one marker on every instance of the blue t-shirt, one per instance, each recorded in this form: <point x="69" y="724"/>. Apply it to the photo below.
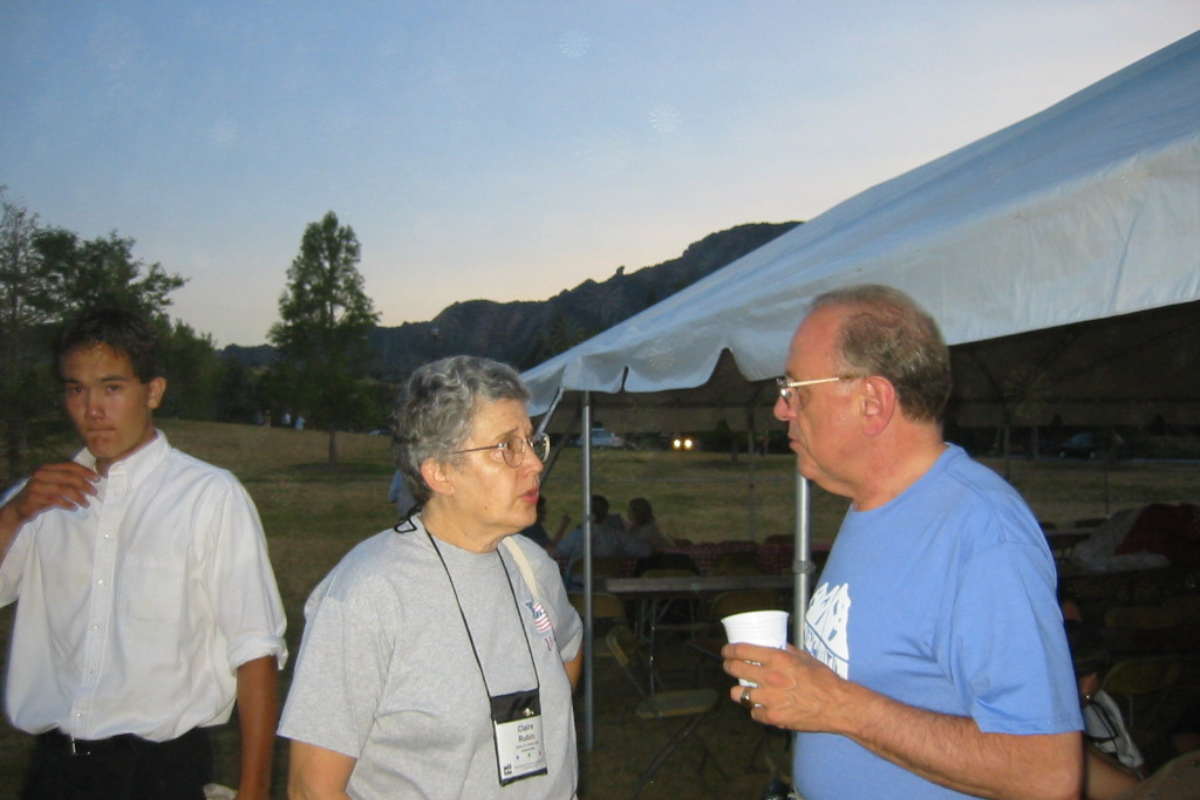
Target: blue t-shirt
<point x="944" y="599"/>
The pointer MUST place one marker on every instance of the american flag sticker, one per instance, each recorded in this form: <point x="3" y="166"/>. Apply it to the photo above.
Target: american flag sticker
<point x="541" y="620"/>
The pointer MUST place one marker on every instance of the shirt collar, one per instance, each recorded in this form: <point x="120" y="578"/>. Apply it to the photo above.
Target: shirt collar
<point x="138" y="466"/>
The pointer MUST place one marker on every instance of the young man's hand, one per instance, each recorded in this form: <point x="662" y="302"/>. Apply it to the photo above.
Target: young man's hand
<point x="61" y="485"/>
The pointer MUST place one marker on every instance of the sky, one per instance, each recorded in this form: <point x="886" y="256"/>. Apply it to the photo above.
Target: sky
<point x="504" y="150"/>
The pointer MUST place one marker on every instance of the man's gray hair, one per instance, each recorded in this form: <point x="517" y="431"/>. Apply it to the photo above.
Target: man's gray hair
<point x="435" y="411"/>
<point x="887" y="333"/>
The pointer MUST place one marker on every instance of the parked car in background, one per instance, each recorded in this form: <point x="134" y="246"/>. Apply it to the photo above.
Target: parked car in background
<point x="603" y="439"/>
<point x="1088" y="444"/>
<point x="1081" y="445"/>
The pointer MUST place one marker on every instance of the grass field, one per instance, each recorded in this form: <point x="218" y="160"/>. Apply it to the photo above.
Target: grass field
<point x="313" y="514"/>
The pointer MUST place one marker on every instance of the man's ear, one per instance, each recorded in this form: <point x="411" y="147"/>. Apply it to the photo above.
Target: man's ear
<point x="437" y="476"/>
<point x="878" y="404"/>
<point x="157" y="387"/>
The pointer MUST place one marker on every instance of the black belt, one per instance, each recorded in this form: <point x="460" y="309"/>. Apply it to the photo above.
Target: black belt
<point x="60" y="742"/>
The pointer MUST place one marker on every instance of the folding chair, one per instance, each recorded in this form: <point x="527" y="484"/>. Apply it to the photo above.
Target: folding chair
<point x="1142" y="629"/>
<point x="735" y="601"/>
<point x="690" y="704"/>
<point x="607" y="612"/>
<point x="667" y="616"/>
<point x="709" y="645"/>
<point x="1142" y="677"/>
<point x="1142" y="618"/>
<point x="741" y="562"/>
<point x="602" y="567"/>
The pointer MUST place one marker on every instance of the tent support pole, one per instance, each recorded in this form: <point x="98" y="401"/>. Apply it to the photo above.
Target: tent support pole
<point x="552" y="459"/>
<point x="753" y="528"/>
<point x="802" y="566"/>
<point x="546" y="417"/>
<point x="589" y="672"/>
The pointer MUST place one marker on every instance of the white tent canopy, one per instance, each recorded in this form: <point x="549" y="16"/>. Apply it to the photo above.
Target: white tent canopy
<point x="1088" y="210"/>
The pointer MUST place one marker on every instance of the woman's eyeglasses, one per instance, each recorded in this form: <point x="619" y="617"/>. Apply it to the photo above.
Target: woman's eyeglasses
<point x="513" y="448"/>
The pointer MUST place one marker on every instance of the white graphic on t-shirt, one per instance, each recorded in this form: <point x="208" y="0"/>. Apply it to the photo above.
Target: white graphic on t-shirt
<point x="826" y="626"/>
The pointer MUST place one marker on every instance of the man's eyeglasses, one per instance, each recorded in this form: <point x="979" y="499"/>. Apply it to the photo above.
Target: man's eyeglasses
<point x="786" y="386"/>
<point x="514" y="447"/>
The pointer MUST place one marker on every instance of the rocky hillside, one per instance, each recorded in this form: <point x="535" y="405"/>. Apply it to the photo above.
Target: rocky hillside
<point x="526" y="333"/>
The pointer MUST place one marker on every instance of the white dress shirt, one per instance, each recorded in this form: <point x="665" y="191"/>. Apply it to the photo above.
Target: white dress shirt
<point x="1104" y="724"/>
<point x="136" y="611"/>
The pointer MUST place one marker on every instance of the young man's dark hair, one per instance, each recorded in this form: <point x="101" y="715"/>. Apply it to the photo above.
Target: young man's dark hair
<point x="125" y="332"/>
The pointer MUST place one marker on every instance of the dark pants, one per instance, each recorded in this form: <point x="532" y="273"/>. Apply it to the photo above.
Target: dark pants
<point x="121" y="768"/>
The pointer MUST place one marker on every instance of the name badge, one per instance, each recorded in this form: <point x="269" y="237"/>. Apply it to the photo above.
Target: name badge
<point x="517" y="730"/>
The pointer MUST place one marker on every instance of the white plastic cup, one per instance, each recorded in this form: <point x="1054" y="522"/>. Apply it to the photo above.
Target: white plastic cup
<point x="765" y="628"/>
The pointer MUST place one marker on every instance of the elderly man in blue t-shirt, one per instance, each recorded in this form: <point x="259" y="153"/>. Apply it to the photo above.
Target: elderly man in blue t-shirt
<point x="934" y="663"/>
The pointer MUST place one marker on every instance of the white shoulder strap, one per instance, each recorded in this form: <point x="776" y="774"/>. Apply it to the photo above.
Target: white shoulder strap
<point x="523" y="564"/>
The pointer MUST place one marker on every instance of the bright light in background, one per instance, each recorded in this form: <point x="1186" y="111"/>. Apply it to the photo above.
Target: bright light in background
<point x="504" y="151"/>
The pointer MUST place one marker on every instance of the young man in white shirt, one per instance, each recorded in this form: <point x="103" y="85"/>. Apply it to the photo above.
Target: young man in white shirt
<point x="148" y="605"/>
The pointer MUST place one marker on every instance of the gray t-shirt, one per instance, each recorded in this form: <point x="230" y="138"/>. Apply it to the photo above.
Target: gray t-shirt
<point x="386" y="672"/>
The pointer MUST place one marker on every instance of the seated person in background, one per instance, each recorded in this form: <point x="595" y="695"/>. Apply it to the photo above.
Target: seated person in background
<point x="537" y="531"/>
<point x="642" y="526"/>
<point x="608" y="540"/>
<point x="570" y="544"/>
<point x="1103" y="725"/>
<point x="1110" y="756"/>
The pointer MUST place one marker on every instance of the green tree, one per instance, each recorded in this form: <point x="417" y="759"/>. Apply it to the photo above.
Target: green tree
<point x="325" y="316"/>
<point x="237" y="397"/>
<point x="46" y="275"/>
<point x="194" y="372"/>
<point x="29" y="306"/>
<point x="104" y="272"/>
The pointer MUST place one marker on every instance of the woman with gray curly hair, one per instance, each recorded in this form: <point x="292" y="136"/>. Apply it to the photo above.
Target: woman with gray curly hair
<point x="439" y="657"/>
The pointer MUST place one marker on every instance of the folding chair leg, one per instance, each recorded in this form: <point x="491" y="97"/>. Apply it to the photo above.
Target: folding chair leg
<point x="664" y="752"/>
<point x="762" y="741"/>
<point x="761" y="747"/>
<point x="707" y="755"/>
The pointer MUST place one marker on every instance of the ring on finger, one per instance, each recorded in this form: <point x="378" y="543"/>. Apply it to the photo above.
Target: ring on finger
<point x="745" y="698"/>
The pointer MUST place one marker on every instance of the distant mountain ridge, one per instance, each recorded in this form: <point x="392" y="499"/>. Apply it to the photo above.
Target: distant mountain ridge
<point x="525" y="333"/>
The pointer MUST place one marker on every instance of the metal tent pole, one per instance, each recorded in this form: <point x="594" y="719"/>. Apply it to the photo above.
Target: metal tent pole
<point x="753" y="501"/>
<point x="803" y="565"/>
<point x="589" y="673"/>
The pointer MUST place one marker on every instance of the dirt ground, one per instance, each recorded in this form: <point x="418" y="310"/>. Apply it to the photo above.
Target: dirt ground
<point x="731" y="756"/>
<point x="310" y="515"/>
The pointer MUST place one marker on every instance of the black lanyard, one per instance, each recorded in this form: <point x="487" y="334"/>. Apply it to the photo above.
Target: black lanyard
<point x="467" y="625"/>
